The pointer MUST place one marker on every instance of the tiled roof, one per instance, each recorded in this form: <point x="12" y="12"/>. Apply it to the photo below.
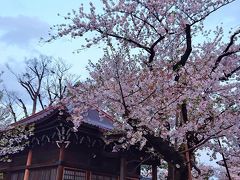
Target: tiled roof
<point x="92" y="117"/>
<point x="37" y="116"/>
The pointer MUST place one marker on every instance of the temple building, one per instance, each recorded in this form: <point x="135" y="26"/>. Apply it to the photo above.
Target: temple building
<point x="57" y="152"/>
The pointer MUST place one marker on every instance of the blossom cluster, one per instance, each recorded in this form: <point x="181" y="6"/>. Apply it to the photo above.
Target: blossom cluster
<point x="14" y="140"/>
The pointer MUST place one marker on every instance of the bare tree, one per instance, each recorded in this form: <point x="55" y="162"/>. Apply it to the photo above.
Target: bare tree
<point x="4" y="111"/>
<point x="8" y="101"/>
<point x="44" y="80"/>
<point x="31" y="80"/>
<point x="55" y="85"/>
<point x="12" y="101"/>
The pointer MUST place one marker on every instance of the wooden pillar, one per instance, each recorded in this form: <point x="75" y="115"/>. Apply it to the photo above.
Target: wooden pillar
<point x="123" y="168"/>
<point x="154" y="172"/>
<point x="29" y="162"/>
<point x="60" y="161"/>
<point x="89" y="175"/>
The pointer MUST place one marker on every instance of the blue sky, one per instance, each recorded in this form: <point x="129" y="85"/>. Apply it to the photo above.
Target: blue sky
<point x="24" y="22"/>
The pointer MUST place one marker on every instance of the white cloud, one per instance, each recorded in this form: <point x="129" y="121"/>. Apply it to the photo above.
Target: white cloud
<point x="21" y="30"/>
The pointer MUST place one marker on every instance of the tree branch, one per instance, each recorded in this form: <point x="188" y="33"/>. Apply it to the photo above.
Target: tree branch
<point x="152" y="51"/>
<point x="226" y="51"/>
<point x="125" y="39"/>
<point x="24" y="107"/>
<point x="227" y="76"/>
<point x="188" y="50"/>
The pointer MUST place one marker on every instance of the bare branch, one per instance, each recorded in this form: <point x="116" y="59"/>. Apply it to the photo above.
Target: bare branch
<point x="24" y="107"/>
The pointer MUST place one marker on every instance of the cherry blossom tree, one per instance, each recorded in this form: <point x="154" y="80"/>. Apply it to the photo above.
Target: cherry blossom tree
<point x="162" y="90"/>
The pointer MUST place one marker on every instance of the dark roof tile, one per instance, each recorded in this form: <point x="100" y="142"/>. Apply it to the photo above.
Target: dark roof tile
<point x="92" y="117"/>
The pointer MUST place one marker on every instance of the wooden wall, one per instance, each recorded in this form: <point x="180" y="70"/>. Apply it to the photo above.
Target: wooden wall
<point x="98" y="161"/>
<point x="45" y="154"/>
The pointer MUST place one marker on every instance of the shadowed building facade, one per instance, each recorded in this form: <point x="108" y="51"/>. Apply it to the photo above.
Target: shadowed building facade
<point x="57" y="152"/>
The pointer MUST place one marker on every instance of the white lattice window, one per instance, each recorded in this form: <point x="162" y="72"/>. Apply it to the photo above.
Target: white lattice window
<point x="73" y="174"/>
<point x="103" y="177"/>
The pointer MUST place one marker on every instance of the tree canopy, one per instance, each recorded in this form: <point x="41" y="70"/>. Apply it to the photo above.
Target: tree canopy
<point x="160" y="88"/>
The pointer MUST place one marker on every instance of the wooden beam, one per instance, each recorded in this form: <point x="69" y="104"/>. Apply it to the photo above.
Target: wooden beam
<point x="60" y="168"/>
<point x="29" y="162"/>
<point x="123" y="168"/>
<point x="154" y="172"/>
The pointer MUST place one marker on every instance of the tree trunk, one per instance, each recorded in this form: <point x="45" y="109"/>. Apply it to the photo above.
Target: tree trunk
<point x="34" y="107"/>
<point x="178" y="169"/>
<point x="171" y="172"/>
<point x="177" y="173"/>
<point x="13" y="113"/>
<point x="24" y="107"/>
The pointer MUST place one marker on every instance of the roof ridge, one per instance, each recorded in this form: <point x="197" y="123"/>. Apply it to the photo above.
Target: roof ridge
<point x="34" y="115"/>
